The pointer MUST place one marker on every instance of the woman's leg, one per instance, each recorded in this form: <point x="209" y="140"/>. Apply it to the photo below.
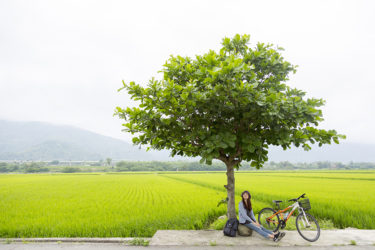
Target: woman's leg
<point x="266" y="230"/>
<point x="258" y="230"/>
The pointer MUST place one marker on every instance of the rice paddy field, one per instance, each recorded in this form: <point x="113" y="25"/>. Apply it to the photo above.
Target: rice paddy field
<point x="138" y="204"/>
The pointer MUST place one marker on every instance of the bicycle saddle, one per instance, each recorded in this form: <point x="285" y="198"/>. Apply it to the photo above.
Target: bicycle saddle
<point x="277" y="201"/>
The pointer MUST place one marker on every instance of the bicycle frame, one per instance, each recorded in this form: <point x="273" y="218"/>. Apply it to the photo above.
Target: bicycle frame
<point x="294" y="206"/>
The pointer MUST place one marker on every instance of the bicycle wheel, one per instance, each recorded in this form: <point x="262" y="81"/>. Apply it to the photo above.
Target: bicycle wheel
<point x="272" y="224"/>
<point x="308" y="227"/>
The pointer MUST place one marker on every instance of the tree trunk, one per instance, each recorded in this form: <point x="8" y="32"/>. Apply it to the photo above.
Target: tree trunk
<point x="231" y="212"/>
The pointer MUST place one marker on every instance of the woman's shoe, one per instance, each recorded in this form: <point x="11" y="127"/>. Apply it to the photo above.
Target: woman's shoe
<point x="280" y="237"/>
<point x="275" y="237"/>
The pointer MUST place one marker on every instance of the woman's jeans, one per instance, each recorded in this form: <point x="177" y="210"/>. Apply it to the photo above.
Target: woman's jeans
<point x="262" y="231"/>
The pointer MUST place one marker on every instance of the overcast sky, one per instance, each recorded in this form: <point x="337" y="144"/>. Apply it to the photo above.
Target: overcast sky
<point x="63" y="61"/>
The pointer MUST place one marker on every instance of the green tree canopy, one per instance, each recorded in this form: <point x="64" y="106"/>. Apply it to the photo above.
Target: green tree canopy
<point x="228" y="105"/>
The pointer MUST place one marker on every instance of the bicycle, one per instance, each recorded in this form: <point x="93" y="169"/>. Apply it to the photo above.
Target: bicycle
<point x="307" y="226"/>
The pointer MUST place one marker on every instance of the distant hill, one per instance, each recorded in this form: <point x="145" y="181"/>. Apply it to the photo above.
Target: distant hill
<point x="343" y="152"/>
<point x="43" y="141"/>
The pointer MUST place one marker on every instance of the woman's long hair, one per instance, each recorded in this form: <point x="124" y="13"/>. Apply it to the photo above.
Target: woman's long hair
<point x="246" y="204"/>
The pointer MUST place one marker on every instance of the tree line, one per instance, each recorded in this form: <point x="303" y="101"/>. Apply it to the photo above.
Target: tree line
<point x="136" y="166"/>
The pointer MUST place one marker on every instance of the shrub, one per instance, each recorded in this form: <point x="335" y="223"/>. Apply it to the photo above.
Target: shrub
<point x="70" y="170"/>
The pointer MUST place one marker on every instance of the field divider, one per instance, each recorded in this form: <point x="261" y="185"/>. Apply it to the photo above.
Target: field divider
<point x="202" y="184"/>
<point x="222" y="189"/>
<point x="214" y="187"/>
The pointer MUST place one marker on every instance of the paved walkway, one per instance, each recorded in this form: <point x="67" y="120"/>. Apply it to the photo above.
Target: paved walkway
<point x="203" y="239"/>
<point x="117" y="246"/>
<point x="292" y="238"/>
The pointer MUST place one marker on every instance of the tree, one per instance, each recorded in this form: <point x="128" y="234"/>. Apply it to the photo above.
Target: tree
<point x="228" y="105"/>
<point x="54" y="162"/>
<point x="108" y="161"/>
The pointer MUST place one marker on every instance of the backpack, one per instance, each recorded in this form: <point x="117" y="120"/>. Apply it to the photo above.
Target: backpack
<point x="231" y="227"/>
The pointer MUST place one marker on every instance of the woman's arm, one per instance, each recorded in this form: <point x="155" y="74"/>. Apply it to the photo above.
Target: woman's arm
<point x="252" y="216"/>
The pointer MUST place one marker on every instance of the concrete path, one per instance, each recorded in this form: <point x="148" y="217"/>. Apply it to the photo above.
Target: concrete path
<point x="292" y="238"/>
<point x="204" y="239"/>
<point x="118" y="246"/>
<point x="69" y="240"/>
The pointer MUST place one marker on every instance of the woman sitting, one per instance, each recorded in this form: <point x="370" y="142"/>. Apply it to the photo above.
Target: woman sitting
<point x="247" y="218"/>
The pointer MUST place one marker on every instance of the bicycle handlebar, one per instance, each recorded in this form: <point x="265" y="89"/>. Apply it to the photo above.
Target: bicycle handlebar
<point x="296" y="199"/>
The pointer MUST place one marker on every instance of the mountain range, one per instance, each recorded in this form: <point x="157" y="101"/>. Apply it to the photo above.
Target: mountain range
<point x="39" y="141"/>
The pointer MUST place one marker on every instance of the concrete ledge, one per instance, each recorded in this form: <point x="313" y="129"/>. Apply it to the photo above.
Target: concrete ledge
<point x="292" y="238"/>
<point x="71" y="240"/>
<point x="215" y="237"/>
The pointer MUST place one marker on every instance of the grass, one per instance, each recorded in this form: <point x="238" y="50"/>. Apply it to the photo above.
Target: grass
<point x="136" y="205"/>
<point x="139" y="242"/>
<point x="218" y="224"/>
<point x="213" y="243"/>
<point x="353" y="242"/>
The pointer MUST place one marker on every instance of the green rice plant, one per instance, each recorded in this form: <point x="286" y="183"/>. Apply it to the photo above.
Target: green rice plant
<point x="138" y="204"/>
<point x="344" y="200"/>
<point x="102" y="205"/>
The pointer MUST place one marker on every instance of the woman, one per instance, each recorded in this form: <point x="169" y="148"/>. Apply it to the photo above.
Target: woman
<point x="247" y="218"/>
